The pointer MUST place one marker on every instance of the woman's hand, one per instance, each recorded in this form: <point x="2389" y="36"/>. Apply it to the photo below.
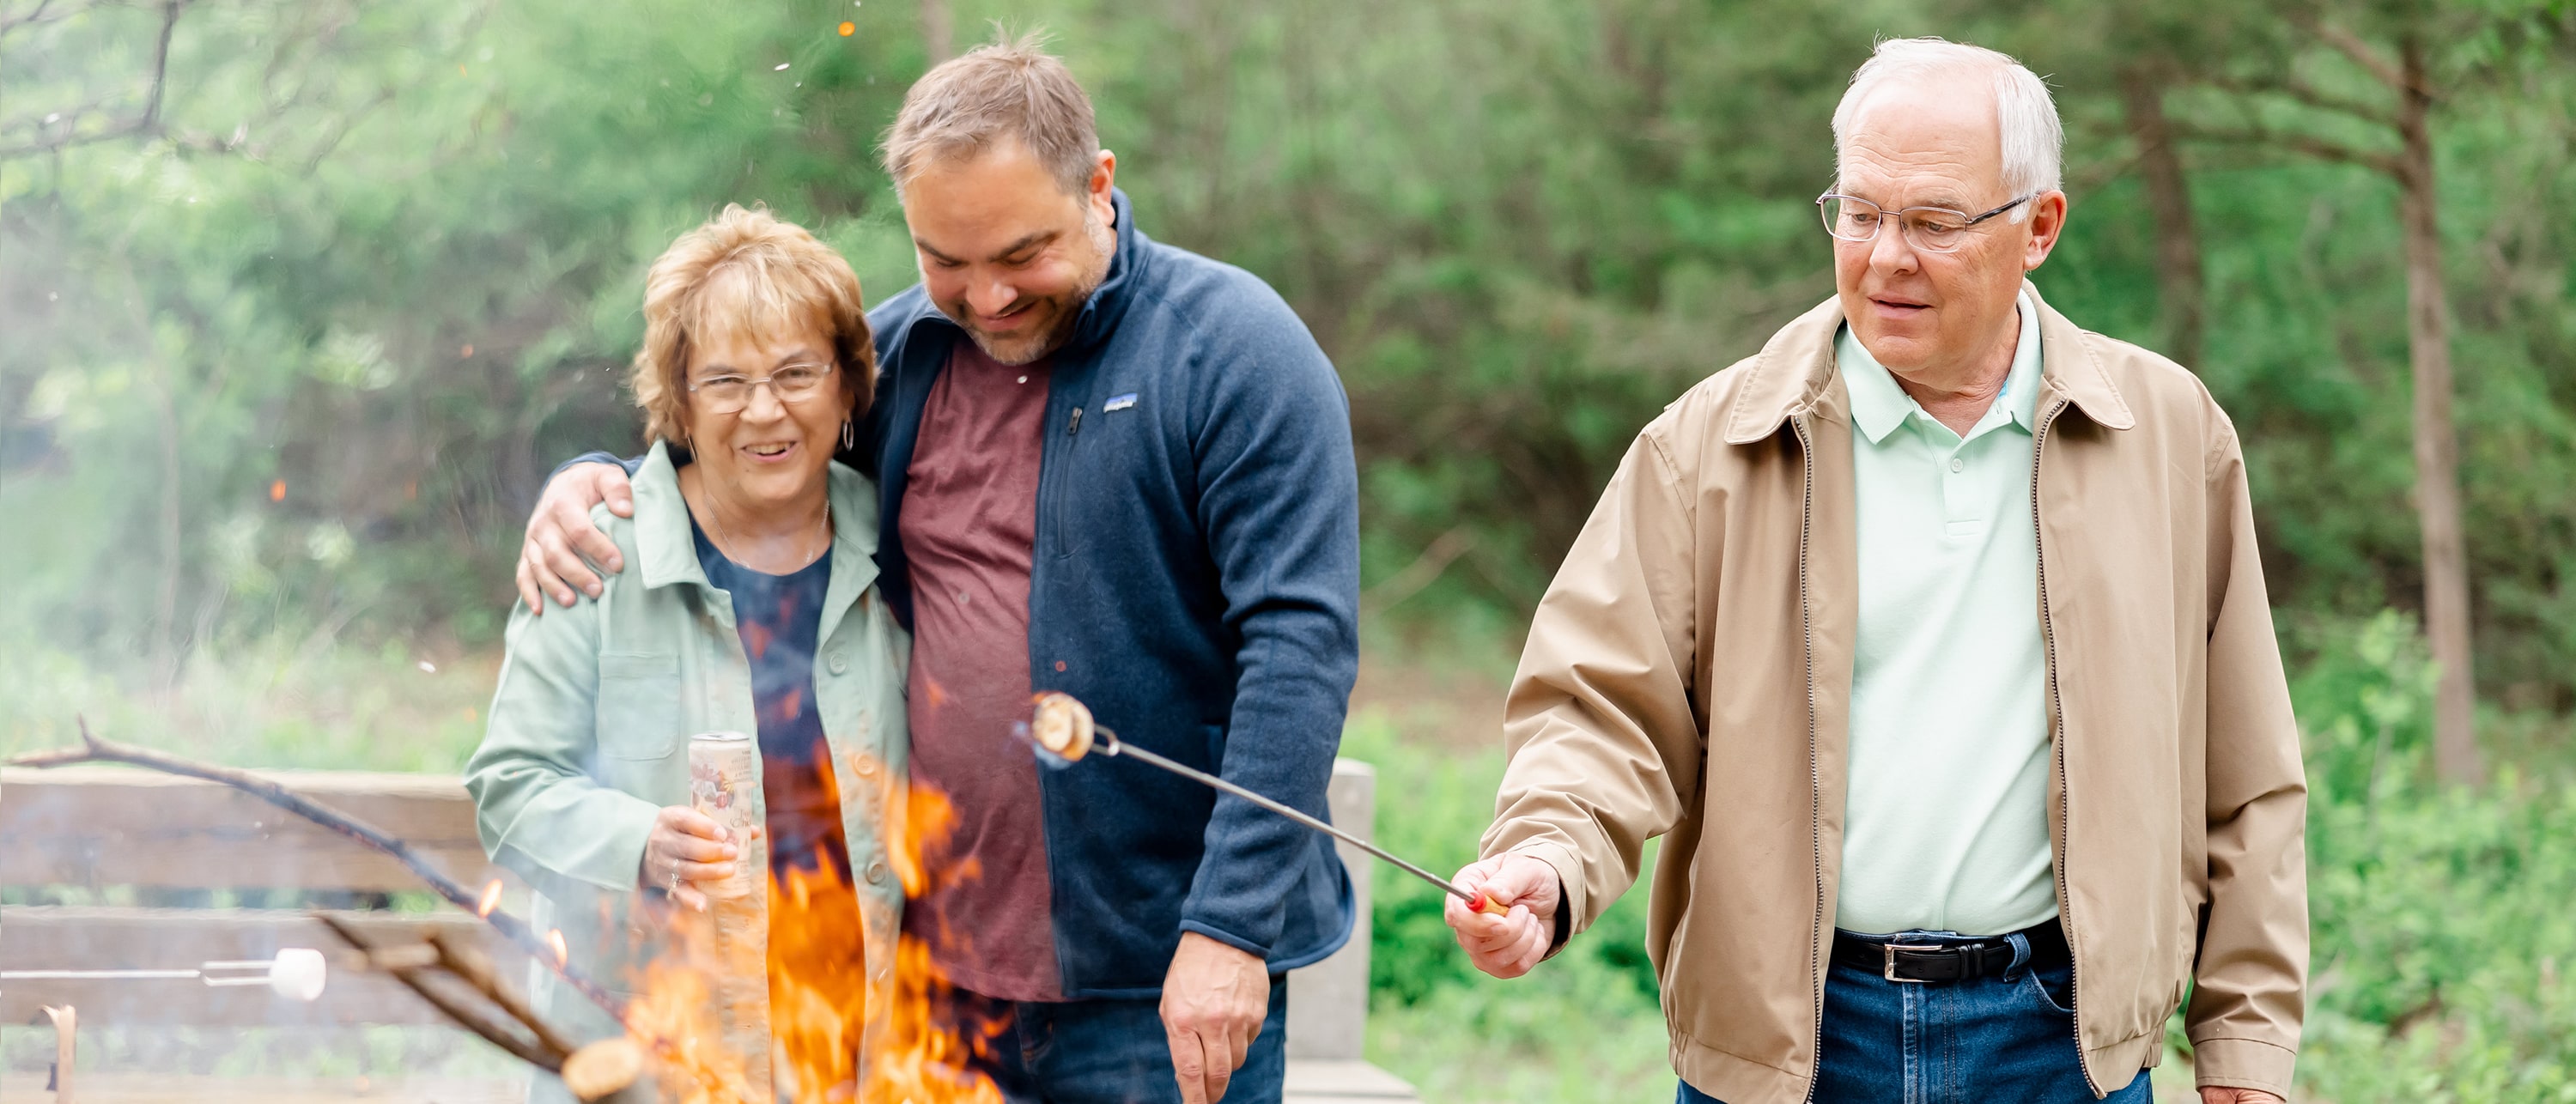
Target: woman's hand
<point x="687" y="849"/>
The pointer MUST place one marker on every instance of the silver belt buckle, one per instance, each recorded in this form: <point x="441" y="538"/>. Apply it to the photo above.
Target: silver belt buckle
<point x="1890" y="949"/>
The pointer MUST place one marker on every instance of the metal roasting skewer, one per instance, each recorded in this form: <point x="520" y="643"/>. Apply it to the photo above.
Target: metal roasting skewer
<point x="297" y="973"/>
<point x="1070" y="732"/>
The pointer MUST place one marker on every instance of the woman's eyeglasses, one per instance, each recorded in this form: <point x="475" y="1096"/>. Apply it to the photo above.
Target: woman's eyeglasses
<point x="794" y="383"/>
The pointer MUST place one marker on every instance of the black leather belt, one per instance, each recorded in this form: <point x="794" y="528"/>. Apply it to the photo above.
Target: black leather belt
<point x="1898" y="960"/>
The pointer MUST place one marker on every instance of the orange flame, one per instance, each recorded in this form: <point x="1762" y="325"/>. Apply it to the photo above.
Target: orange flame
<point x="490" y="900"/>
<point x="555" y="939"/>
<point x="825" y="1042"/>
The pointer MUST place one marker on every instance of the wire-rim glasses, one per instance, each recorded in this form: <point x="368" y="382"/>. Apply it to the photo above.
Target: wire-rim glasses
<point x="1931" y="229"/>
<point x="729" y="394"/>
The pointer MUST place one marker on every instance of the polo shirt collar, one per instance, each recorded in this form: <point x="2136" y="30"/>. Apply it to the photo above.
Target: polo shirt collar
<point x="1878" y="405"/>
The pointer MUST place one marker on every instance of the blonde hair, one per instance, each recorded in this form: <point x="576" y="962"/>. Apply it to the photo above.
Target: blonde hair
<point x="1000" y="90"/>
<point x="2034" y="142"/>
<point x="744" y="270"/>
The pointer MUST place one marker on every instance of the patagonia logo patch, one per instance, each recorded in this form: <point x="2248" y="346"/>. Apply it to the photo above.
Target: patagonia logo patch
<point x="1118" y="402"/>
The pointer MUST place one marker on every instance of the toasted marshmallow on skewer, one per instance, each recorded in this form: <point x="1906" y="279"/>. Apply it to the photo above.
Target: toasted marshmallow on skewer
<point x="1062" y="725"/>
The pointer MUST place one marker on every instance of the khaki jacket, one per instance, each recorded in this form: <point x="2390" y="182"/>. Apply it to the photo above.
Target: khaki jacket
<point x="1689" y="674"/>
<point x="589" y="738"/>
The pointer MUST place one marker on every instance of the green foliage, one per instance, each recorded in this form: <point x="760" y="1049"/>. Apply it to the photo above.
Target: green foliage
<point x="390" y="256"/>
<point x="2440" y="915"/>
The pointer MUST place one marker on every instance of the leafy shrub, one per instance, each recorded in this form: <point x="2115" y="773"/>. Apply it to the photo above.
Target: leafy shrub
<point x="2441" y="916"/>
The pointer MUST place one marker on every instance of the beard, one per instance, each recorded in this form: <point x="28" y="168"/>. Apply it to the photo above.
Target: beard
<point x="1056" y="314"/>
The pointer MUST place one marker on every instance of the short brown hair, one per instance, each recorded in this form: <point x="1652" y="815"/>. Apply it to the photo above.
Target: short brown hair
<point x="744" y="269"/>
<point x="1003" y="89"/>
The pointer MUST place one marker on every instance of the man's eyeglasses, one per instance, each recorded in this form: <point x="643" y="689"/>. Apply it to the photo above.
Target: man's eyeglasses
<point x="793" y="383"/>
<point x="1930" y="229"/>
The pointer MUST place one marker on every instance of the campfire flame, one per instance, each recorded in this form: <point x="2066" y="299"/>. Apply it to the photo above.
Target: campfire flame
<point x="490" y="900"/>
<point x="826" y="1042"/>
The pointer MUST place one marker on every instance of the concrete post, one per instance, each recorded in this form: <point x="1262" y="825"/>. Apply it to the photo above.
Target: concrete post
<point x="1328" y="1001"/>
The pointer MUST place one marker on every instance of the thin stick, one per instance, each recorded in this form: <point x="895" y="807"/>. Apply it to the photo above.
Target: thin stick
<point x="95" y="749"/>
<point x="537" y="1054"/>
<point x="1111" y="744"/>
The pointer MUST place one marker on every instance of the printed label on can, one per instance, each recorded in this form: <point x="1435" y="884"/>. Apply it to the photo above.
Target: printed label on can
<point x="724" y="767"/>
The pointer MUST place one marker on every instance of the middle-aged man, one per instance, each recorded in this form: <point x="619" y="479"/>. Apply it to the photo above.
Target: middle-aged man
<point x="1932" y="639"/>
<point x="1118" y="469"/>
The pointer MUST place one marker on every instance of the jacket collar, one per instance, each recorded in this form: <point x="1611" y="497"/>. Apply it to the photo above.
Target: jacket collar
<point x="669" y="554"/>
<point x="1794" y="373"/>
<point x="1109" y="301"/>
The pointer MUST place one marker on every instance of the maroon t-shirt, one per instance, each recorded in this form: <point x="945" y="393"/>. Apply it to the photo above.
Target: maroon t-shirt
<point x="970" y="522"/>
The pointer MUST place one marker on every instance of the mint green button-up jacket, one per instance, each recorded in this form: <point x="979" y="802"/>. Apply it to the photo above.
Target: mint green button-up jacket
<point x="590" y="728"/>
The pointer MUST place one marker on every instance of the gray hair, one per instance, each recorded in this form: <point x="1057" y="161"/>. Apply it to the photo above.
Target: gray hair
<point x="2034" y="144"/>
<point x="1007" y="89"/>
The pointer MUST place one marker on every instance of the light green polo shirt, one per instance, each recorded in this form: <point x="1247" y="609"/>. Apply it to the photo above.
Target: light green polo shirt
<point x="1947" y="821"/>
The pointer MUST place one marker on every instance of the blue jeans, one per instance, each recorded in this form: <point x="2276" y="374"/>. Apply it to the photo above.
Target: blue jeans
<point x="2007" y="1037"/>
<point x="1111" y="1051"/>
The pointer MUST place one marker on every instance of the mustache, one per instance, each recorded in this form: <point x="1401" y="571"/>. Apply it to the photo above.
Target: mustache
<point x="1021" y="303"/>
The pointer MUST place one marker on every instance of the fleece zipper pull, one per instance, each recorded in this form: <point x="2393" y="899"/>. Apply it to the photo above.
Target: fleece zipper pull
<point x="1073" y="425"/>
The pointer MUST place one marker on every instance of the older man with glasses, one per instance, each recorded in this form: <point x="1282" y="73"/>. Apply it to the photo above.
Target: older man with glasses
<point x="1933" y="640"/>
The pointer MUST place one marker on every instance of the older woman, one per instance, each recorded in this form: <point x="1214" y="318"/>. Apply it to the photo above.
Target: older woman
<point x="753" y="611"/>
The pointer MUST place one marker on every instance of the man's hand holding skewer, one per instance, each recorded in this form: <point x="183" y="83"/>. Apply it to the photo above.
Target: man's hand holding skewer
<point x="1507" y="945"/>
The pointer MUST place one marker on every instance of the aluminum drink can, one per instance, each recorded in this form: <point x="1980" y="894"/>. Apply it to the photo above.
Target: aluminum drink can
<point x="724" y="778"/>
<point x="730" y="946"/>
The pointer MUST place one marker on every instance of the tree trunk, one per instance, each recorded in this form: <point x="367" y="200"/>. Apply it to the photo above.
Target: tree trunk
<point x="2180" y="286"/>
<point x="938" y="31"/>
<point x="2437" y="447"/>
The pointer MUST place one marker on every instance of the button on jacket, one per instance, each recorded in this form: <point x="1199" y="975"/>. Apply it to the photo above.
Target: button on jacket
<point x="1689" y="675"/>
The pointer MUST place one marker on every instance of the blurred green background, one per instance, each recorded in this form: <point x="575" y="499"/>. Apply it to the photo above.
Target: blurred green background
<point x="300" y="300"/>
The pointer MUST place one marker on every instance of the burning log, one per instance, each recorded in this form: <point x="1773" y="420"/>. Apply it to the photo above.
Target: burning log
<point x="593" y="1072"/>
<point x="476" y="970"/>
<point x="409" y="964"/>
<point x="603" y="1069"/>
<point x="95" y="749"/>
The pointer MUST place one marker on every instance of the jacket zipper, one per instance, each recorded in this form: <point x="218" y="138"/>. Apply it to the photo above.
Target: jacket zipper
<point x="1051" y="492"/>
<point x="1815" y="774"/>
<point x="2057" y="735"/>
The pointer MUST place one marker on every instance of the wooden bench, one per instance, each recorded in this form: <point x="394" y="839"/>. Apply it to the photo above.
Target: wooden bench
<point x="148" y="842"/>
